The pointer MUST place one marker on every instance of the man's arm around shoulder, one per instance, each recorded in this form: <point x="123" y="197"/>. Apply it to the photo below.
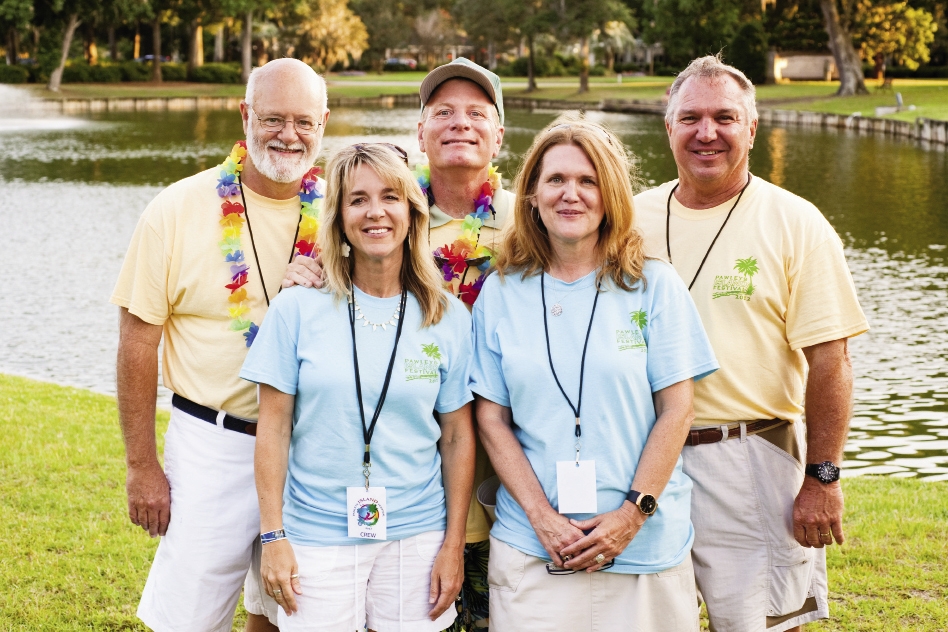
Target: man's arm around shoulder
<point x="149" y="495"/>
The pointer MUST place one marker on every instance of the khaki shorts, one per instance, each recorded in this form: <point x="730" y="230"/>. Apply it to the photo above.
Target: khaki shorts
<point x="523" y="596"/>
<point x="752" y="574"/>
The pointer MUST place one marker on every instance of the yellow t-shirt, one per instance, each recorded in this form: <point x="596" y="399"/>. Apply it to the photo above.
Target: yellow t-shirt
<point x="444" y="230"/>
<point x="775" y="281"/>
<point x="174" y="275"/>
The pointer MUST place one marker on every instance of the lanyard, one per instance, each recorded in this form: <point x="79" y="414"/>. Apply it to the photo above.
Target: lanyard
<point x="253" y="246"/>
<point x="367" y="432"/>
<point x="668" y="208"/>
<point x="582" y="364"/>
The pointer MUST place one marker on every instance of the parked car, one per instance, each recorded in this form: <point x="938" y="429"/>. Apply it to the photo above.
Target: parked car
<point x="401" y="61"/>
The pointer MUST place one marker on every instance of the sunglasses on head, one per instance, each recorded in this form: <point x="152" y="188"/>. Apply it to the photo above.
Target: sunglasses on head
<point x="360" y="147"/>
<point x="601" y="131"/>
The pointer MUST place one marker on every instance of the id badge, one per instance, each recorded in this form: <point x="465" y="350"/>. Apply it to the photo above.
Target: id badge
<point x="576" y="487"/>
<point x="366" y="512"/>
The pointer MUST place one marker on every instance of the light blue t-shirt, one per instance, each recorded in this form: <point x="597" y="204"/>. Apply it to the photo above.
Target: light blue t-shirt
<point x="304" y="348"/>
<point x="641" y="342"/>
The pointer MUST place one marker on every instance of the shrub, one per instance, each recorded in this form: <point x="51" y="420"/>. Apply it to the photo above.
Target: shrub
<point x="77" y="72"/>
<point x="748" y="52"/>
<point x="135" y="71"/>
<point x="174" y="72"/>
<point x="542" y="67"/>
<point x="216" y="73"/>
<point x="14" y="74"/>
<point x="597" y="71"/>
<point x="105" y="73"/>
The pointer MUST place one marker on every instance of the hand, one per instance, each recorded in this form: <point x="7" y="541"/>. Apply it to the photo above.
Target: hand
<point x="818" y="514"/>
<point x="447" y="575"/>
<point x="611" y="533"/>
<point x="280" y="574"/>
<point x="555" y="532"/>
<point x="305" y="271"/>
<point x="149" y="498"/>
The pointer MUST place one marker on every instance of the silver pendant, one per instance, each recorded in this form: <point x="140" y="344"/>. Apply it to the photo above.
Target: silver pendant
<point x="556" y="310"/>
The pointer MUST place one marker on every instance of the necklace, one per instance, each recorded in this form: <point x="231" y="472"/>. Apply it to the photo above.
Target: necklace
<point x="234" y="215"/>
<point x="456" y="259"/>
<point x="668" y="208"/>
<point x="366" y="322"/>
<point x="557" y="308"/>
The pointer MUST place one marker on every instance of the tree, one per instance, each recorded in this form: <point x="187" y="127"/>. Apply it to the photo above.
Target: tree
<point x="614" y="37"/>
<point x="840" y="43"/>
<point x="388" y="25"/>
<point x="330" y="32"/>
<point x="579" y="18"/>
<point x="14" y="16"/>
<point x="796" y="25"/>
<point x="748" y="51"/>
<point x="893" y="31"/>
<point x="691" y="28"/>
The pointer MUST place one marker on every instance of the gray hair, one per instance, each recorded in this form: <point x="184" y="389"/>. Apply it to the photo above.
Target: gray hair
<point x="288" y="64"/>
<point x="712" y="67"/>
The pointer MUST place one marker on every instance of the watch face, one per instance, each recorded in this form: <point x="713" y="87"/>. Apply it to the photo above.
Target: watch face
<point x="647" y="504"/>
<point x="827" y="472"/>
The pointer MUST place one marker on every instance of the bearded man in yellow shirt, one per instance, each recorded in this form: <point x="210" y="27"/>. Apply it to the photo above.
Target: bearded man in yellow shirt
<point x="206" y="258"/>
<point x="769" y="277"/>
<point x="460" y="131"/>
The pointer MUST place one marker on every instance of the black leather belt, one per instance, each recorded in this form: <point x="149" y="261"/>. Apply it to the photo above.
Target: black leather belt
<point x="210" y="416"/>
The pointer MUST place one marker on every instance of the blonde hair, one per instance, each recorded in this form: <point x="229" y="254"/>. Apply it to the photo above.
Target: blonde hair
<point x="526" y="246"/>
<point x="419" y="275"/>
<point x="712" y="67"/>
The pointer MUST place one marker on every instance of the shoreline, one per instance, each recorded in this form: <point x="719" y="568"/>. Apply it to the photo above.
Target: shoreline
<point x="929" y="133"/>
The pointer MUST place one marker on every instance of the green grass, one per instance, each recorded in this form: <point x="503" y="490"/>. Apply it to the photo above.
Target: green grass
<point x="70" y="560"/>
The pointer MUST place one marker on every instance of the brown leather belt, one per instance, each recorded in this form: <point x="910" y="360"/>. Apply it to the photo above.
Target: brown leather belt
<point x="715" y="435"/>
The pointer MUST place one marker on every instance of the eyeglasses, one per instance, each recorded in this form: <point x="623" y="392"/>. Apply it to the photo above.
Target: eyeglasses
<point x="398" y="150"/>
<point x="553" y="569"/>
<point x="277" y="123"/>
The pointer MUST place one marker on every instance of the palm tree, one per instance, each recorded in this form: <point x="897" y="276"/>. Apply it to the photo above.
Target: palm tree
<point x="747" y="267"/>
<point x="432" y="351"/>
<point x="639" y="318"/>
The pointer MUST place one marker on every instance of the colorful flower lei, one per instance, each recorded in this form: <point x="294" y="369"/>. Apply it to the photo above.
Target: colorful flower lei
<point x="453" y="258"/>
<point x="232" y="220"/>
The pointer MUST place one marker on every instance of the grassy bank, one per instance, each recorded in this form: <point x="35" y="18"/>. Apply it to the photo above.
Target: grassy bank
<point x="70" y="560"/>
<point x="930" y="96"/>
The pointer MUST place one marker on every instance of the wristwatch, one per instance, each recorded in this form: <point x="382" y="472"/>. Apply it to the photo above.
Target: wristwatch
<point x="825" y="472"/>
<point x="645" y="502"/>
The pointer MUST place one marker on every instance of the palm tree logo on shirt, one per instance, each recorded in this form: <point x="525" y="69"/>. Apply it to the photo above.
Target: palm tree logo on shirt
<point x="427" y="368"/>
<point x="639" y="318"/>
<point x="431" y="350"/>
<point x="740" y="286"/>
<point x="628" y="339"/>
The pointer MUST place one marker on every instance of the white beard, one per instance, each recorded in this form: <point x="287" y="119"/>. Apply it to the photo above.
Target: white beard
<point x="290" y="168"/>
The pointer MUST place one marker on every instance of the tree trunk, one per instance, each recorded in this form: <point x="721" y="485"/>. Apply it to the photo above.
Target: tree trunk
<point x="584" y="64"/>
<point x="90" y="49"/>
<point x="156" y="50"/>
<point x="219" y="44"/>
<point x="196" y="47"/>
<point x="56" y="78"/>
<point x="531" y="79"/>
<point x="246" y="47"/>
<point x="840" y="43"/>
<point x="491" y="55"/>
<point x="137" y="48"/>
<point x="113" y="44"/>
<point x="11" y="47"/>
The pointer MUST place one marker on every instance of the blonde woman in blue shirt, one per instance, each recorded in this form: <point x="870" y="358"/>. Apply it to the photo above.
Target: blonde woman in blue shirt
<point x="585" y="357"/>
<point x="363" y="492"/>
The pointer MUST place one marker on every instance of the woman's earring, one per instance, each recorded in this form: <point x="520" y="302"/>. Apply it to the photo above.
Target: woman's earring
<point x="345" y="247"/>
<point x="535" y="214"/>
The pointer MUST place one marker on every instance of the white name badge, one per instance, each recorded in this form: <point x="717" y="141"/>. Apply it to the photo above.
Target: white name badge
<point x="366" y="517"/>
<point x="576" y="486"/>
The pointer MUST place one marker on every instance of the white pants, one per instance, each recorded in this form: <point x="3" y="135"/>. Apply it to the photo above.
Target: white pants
<point x="524" y="596"/>
<point x="382" y="585"/>
<point x="751" y="572"/>
<point x="201" y="562"/>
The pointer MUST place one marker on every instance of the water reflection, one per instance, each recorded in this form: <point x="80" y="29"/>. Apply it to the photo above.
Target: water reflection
<point x="78" y="185"/>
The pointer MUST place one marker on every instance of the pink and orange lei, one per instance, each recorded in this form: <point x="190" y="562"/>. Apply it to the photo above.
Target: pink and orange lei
<point x="233" y="220"/>
<point x="453" y="258"/>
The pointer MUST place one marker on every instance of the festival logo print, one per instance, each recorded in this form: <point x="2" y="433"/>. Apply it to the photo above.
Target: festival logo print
<point x="366" y="518"/>
<point x="740" y="286"/>
<point x="427" y="368"/>
<point x="633" y="339"/>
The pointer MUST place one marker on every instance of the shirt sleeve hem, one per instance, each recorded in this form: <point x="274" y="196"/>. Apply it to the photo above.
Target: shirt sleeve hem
<point x="261" y="378"/>
<point x="494" y="397"/>
<point x="457" y="404"/>
<point x="148" y="317"/>
<point x="697" y="372"/>
<point x="838" y="334"/>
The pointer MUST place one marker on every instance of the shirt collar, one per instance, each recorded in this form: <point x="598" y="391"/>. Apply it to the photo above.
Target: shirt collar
<point x="500" y="202"/>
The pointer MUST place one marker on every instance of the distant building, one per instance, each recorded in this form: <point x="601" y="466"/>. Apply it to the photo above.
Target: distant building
<point x="790" y="66"/>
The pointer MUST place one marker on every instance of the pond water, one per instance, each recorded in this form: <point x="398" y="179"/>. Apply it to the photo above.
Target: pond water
<point x="72" y="188"/>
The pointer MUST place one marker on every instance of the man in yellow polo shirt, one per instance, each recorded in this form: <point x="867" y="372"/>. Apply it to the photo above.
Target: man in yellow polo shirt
<point x="460" y="131"/>
<point x="206" y="258"/>
<point x="769" y="277"/>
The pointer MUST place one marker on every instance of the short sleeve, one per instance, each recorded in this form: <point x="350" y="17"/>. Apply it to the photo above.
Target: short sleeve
<point x="823" y="304"/>
<point x="273" y="357"/>
<point x="142" y="286"/>
<point x="455" y="391"/>
<point x="678" y="347"/>
<point x="487" y="376"/>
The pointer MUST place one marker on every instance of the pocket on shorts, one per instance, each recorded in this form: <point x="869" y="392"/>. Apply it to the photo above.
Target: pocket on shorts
<point x="316" y="562"/>
<point x="427" y="545"/>
<point x="790" y="577"/>
<point x="506" y="566"/>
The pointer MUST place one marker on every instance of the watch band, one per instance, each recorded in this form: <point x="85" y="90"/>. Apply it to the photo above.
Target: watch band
<point x="637" y="498"/>
<point x="272" y="536"/>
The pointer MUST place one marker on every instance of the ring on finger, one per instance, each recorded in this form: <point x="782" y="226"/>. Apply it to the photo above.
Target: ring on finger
<point x="294" y="575"/>
<point x="599" y="559"/>
<point x="567" y="558"/>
